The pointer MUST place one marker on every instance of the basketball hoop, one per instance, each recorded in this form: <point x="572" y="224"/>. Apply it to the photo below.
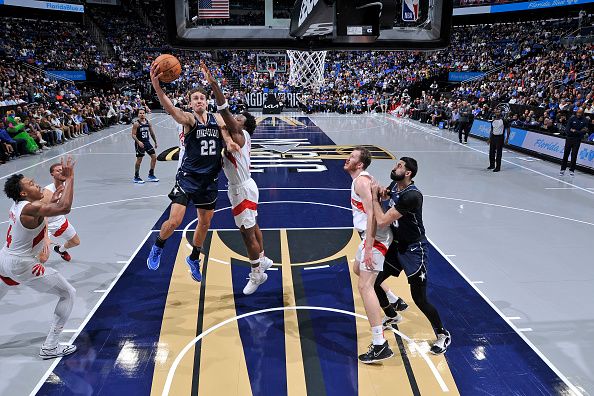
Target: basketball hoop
<point x="306" y="68"/>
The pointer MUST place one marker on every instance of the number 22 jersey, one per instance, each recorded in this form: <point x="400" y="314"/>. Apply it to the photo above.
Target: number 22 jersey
<point x="203" y="148"/>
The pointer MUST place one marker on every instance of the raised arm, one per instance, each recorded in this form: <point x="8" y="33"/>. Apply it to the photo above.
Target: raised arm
<point x="231" y="143"/>
<point x="61" y="201"/>
<point x="178" y="114"/>
<point x="232" y="125"/>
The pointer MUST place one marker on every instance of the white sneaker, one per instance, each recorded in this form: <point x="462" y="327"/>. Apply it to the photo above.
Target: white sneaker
<point x="42" y="141"/>
<point x="265" y="263"/>
<point x="442" y="343"/>
<point x="57" y="351"/>
<point x="256" y="279"/>
<point x="45" y="148"/>
<point x="561" y="173"/>
<point x="387" y="322"/>
<point x="571" y="174"/>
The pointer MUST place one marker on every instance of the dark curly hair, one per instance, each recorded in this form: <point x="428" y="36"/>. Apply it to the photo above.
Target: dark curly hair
<point x="12" y="187"/>
<point x="250" y="122"/>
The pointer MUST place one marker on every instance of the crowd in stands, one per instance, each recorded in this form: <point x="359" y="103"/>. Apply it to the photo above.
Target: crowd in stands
<point x="39" y="112"/>
<point x="447" y="113"/>
<point x="526" y="66"/>
<point x="49" y="45"/>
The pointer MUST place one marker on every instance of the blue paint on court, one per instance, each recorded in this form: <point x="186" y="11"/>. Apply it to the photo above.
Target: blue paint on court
<point x="335" y="334"/>
<point x="487" y="356"/>
<point x="262" y="335"/>
<point x="117" y="346"/>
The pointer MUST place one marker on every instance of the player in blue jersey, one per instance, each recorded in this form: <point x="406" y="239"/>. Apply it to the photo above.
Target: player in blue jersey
<point x="142" y="131"/>
<point x="410" y="253"/>
<point x="197" y="176"/>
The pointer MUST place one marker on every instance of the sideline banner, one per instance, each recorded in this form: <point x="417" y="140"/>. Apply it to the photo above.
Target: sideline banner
<point x="463" y="76"/>
<point x="257" y="99"/>
<point x="45" y="5"/>
<point x="540" y="143"/>
<point x="74" y="75"/>
<point x="520" y="6"/>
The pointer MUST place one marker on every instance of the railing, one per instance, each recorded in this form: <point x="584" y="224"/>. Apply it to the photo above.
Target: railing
<point x="52" y="75"/>
<point x="567" y="41"/>
<point x="104" y="46"/>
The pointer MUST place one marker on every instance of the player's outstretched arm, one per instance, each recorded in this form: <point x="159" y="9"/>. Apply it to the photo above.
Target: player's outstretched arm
<point x="232" y="125"/>
<point x="61" y="201"/>
<point x="178" y="114"/>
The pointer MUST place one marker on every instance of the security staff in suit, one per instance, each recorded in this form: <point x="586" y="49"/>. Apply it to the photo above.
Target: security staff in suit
<point x="575" y="129"/>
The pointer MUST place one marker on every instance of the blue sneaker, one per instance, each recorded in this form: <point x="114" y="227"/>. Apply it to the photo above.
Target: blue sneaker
<point x="154" y="258"/>
<point x="194" y="268"/>
<point x="152" y="178"/>
<point x="138" y="180"/>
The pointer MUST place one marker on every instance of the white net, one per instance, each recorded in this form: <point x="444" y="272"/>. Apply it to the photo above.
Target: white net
<point x="306" y="68"/>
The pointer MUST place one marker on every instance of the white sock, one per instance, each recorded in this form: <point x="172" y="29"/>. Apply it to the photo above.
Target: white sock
<point x="392" y="297"/>
<point x="378" y="335"/>
<point x="253" y="262"/>
<point x="54" y="334"/>
<point x="262" y="254"/>
<point x="61" y="248"/>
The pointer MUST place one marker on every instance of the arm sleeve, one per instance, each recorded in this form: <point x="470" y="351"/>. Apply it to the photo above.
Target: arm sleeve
<point x="408" y="202"/>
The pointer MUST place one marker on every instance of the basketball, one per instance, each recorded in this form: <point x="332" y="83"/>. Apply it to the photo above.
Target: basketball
<point x="170" y="67"/>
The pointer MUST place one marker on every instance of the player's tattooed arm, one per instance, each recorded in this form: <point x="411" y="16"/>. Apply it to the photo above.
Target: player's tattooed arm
<point x="134" y="137"/>
<point x="383" y="219"/>
<point x="152" y="132"/>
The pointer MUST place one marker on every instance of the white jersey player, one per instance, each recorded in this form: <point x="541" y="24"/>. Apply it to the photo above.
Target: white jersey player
<point x="383" y="235"/>
<point x="25" y="241"/>
<point x="59" y="226"/>
<point x="370" y="257"/>
<point x="179" y="129"/>
<point x="243" y="191"/>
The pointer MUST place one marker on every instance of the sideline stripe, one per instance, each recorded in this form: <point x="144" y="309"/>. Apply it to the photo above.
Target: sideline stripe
<point x="90" y="314"/>
<point x="509" y="322"/>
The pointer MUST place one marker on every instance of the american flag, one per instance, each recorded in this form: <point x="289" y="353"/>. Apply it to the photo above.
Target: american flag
<point x="213" y="9"/>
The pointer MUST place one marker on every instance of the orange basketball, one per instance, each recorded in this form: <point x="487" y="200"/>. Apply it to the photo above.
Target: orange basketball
<point x="169" y="66"/>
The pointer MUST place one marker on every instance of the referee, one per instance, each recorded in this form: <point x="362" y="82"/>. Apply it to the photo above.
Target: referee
<point x="496" y="139"/>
